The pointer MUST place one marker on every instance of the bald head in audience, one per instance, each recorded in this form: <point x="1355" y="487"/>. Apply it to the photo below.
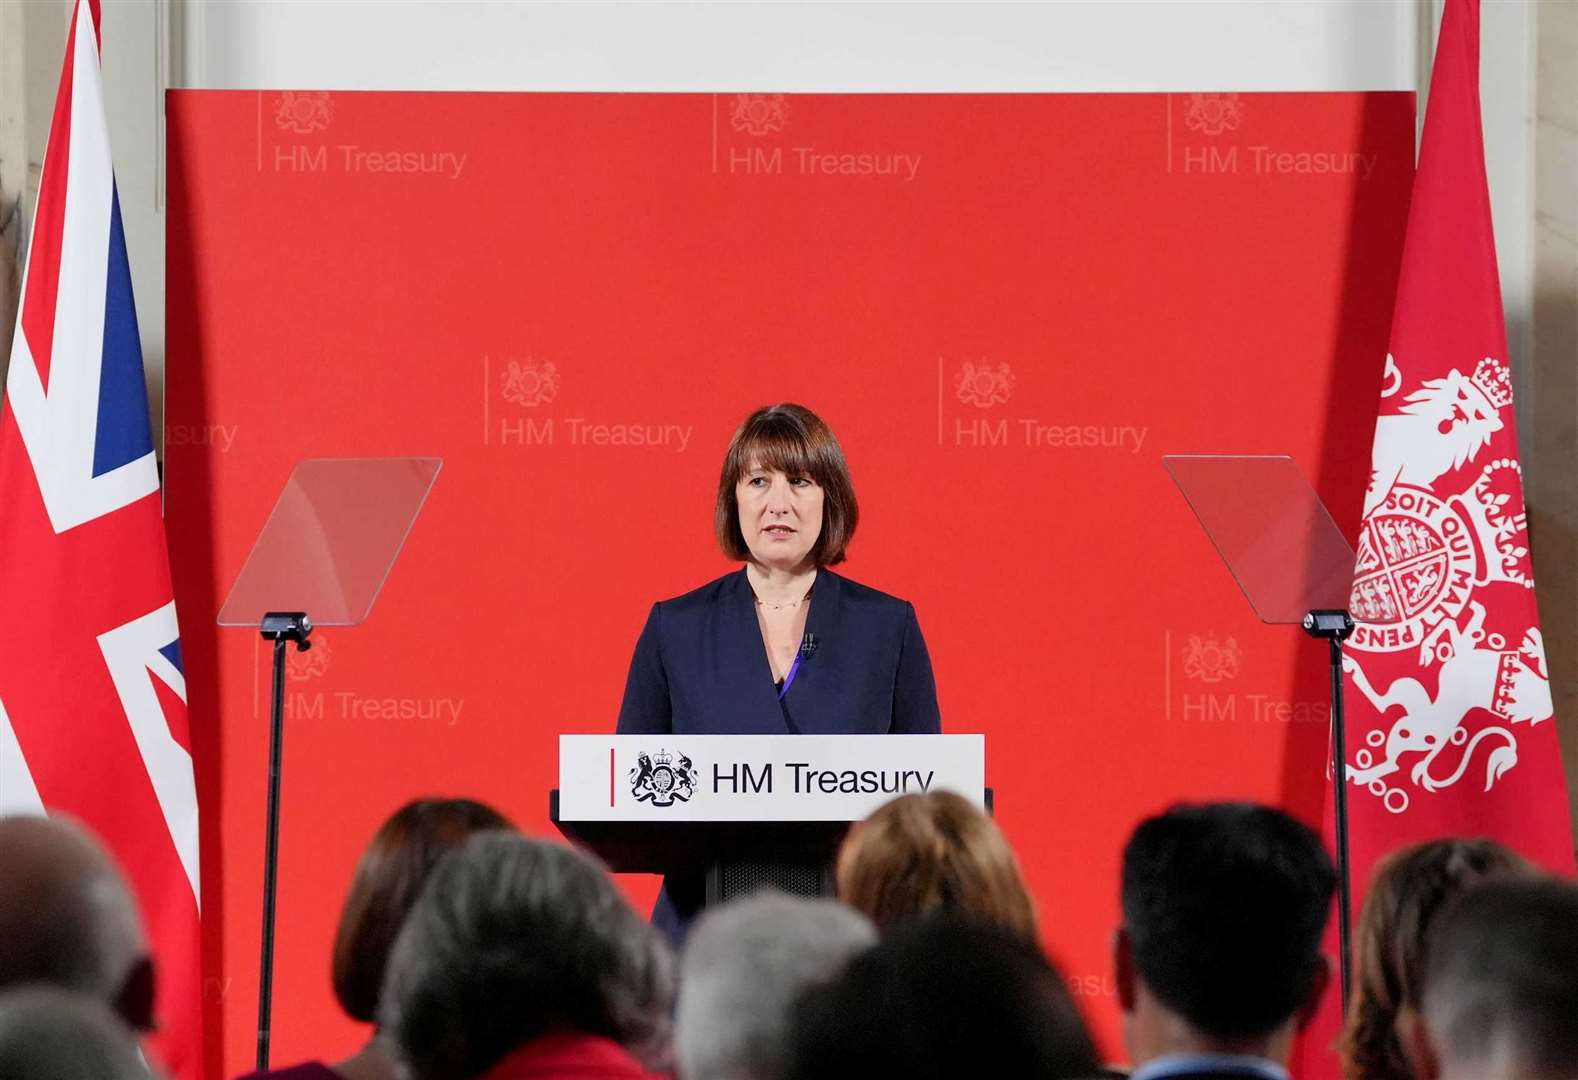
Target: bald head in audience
<point x="51" y="1034"/>
<point x="1500" y="985"/>
<point x="67" y="918"/>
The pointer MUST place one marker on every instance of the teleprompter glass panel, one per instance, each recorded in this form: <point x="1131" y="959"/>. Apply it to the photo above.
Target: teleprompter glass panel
<point x="1271" y="529"/>
<point x="331" y="539"/>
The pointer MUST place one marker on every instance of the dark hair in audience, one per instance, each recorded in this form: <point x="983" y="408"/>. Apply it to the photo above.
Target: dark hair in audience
<point x="1224" y="906"/>
<point x="1409" y="889"/>
<point x="48" y="1033"/>
<point x="68" y="917"/>
<point x="933" y="853"/>
<point x="935" y="999"/>
<point x="794" y="440"/>
<point x="1501" y="978"/>
<point x="513" y="938"/>
<point x="388" y="878"/>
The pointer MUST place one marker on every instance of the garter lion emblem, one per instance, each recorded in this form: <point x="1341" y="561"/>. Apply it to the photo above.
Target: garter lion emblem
<point x="661" y="780"/>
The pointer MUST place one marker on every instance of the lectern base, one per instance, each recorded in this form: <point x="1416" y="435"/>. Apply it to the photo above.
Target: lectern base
<point x="731" y="880"/>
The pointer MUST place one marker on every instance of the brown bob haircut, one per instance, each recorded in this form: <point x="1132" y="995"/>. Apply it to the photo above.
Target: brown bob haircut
<point x="1410" y="887"/>
<point x="388" y="879"/>
<point x="793" y="440"/>
<point x="934" y="854"/>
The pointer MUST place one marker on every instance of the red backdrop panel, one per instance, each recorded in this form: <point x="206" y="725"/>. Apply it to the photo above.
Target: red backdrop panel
<point x="1007" y="307"/>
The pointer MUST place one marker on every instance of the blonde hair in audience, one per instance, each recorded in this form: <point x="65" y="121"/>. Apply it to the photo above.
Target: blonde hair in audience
<point x="934" y="853"/>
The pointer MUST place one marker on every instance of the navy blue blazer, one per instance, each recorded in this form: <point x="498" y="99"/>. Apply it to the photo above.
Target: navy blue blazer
<point x="700" y="667"/>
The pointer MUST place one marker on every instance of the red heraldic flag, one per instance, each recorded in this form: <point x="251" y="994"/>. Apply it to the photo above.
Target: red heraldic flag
<point x="1447" y="693"/>
<point x="92" y="692"/>
<point x="1446" y="690"/>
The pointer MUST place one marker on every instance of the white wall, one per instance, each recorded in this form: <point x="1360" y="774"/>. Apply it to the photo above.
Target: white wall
<point x="1067" y="46"/>
<point x="1077" y="45"/>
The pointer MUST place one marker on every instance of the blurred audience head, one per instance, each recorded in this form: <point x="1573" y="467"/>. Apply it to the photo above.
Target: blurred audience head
<point x="933" y="854"/>
<point x="1224" y="906"/>
<point x="1499" y="988"/>
<point x="1409" y="889"/>
<point x="68" y="919"/>
<point x="936" y="999"/>
<point x="744" y="966"/>
<point x="388" y="878"/>
<point x="47" y="1033"/>
<point x="512" y="939"/>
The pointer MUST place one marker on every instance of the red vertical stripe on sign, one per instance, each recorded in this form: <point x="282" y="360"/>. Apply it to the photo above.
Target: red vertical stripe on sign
<point x="610" y="776"/>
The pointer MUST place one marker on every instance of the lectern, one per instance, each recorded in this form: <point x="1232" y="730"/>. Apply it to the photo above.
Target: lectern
<point x="745" y="811"/>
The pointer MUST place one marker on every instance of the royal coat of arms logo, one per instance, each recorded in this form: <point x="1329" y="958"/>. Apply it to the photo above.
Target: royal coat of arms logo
<point x="662" y="779"/>
<point x="984" y="386"/>
<point x="758" y="114"/>
<point x="1211" y="661"/>
<point x="303" y="111"/>
<point x="532" y="383"/>
<point x="1212" y="114"/>
<point x="1441" y="533"/>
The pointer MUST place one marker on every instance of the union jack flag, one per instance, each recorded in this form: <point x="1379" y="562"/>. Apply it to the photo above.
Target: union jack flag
<point x="92" y="692"/>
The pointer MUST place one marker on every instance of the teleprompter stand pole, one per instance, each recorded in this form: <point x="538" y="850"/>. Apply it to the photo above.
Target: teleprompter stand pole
<point x="282" y="628"/>
<point x="1335" y="626"/>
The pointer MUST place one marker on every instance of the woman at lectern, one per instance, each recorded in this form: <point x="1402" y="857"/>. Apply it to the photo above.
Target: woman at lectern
<point x="783" y="645"/>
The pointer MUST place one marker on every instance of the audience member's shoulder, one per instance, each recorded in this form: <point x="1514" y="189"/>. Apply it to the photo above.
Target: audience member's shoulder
<point x="47" y="1033"/>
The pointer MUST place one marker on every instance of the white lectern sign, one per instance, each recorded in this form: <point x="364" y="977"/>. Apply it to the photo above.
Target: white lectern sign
<point x="759" y="777"/>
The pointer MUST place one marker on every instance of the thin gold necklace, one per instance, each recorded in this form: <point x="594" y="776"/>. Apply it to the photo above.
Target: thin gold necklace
<point x="786" y="604"/>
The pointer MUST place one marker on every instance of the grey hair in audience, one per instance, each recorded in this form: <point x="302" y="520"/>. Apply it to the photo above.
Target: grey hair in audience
<point x="513" y="938"/>
<point x="744" y="966"/>
<point x="1500" y="984"/>
<point x="47" y="1033"/>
